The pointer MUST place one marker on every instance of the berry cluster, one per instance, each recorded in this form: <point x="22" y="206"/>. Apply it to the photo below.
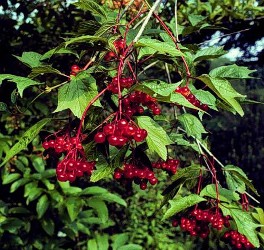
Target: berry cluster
<point x="133" y="103"/>
<point x="171" y="165"/>
<point x="74" y="70"/>
<point x="237" y="240"/>
<point x="125" y="82"/>
<point x="69" y="168"/>
<point x="185" y="91"/>
<point x="198" y="222"/>
<point x="119" y="132"/>
<point x="141" y="175"/>
<point x="74" y="164"/>
<point x="120" y="46"/>
<point x="62" y="144"/>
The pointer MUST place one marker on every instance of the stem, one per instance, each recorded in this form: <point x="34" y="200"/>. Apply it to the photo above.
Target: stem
<point x="176" y="20"/>
<point x="151" y="11"/>
<point x="177" y="46"/>
<point x="90" y="62"/>
<point x="86" y="110"/>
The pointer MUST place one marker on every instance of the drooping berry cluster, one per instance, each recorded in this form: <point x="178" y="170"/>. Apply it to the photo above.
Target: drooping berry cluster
<point x="237" y="240"/>
<point x="199" y="221"/>
<point x="141" y="175"/>
<point x="120" y="46"/>
<point x="69" y="168"/>
<point x="185" y="91"/>
<point x="119" y="132"/>
<point x="135" y="101"/>
<point x="171" y="165"/>
<point x="62" y="144"/>
<point x="125" y="82"/>
<point x="74" y="164"/>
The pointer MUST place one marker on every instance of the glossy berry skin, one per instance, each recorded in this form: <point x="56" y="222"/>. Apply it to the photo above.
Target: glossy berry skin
<point x="99" y="137"/>
<point x="75" y="68"/>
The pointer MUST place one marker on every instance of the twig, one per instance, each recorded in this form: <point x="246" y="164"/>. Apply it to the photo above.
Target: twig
<point x="153" y="8"/>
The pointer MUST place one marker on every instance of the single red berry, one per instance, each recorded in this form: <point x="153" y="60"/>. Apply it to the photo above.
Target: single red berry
<point x="109" y="129"/>
<point x="75" y="68"/>
<point x="117" y="175"/>
<point x="62" y="177"/>
<point x="113" y="140"/>
<point x="153" y="181"/>
<point x="45" y="145"/>
<point x="99" y="137"/>
<point x="143" y="185"/>
<point x="156" y="111"/>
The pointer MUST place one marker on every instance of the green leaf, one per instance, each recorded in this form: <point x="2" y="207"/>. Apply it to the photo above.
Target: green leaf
<point x="28" y="136"/>
<point x="104" y="169"/>
<point x="42" y="205"/>
<point x="8" y="178"/>
<point x="192" y="125"/>
<point x="38" y="164"/>
<point x="84" y="39"/>
<point x="232" y="72"/>
<point x="157" y="138"/>
<point x="180" y="141"/>
<point x="31" y="59"/>
<point x="94" y="190"/>
<point x="47" y="69"/>
<point x="119" y="240"/>
<point x="48" y="226"/>
<point x="113" y="198"/>
<point x="19" y="210"/>
<point x="181" y="203"/>
<point x="100" y="208"/>
<point x="92" y="244"/>
<point x="245" y="225"/>
<point x="33" y="194"/>
<point x="3" y="106"/>
<point x="259" y="216"/>
<point x="93" y="7"/>
<point x="237" y="179"/>
<point x="205" y="97"/>
<point x="146" y="51"/>
<point x="157" y="87"/>
<point x="18" y="184"/>
<point x="58" y="50"/>
<point x="160" y="47"/>
<point x="209" y="53"/>
<point x="76" y="94"/>
<point x="102" y="241"/>
<point x="131" y="246"/>
<point x="180" y="100"/>
<point x="224" y="194"/>
<point x="195" y="19"/>
<point x="21" y="82"/>
<point x="74" y="206"/>
<point x="224" y="90"/>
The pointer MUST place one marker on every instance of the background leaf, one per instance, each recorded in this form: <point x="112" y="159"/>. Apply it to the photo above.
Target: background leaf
<point x="28" y="136"/>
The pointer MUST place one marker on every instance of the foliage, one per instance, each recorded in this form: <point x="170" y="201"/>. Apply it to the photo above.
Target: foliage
<point x="127" y="76"/>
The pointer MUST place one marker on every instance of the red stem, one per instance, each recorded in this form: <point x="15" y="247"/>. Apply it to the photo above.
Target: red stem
<point x="86" y="110"/>
<point x="177" y="46"/>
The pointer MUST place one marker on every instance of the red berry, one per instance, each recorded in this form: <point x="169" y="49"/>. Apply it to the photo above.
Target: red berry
<point x="143" y="185"/>
<point x="113" y="140"/>
<point x="109" y="129"/>
<point x="99" y="137"/>
<point x="153" y="181"/>
<point x="156" y="111"/>
<point x="45" y="145"/>
<point x="62" y="177"/>
<point x="117" y="175"/>
<point x="75" y="68"/>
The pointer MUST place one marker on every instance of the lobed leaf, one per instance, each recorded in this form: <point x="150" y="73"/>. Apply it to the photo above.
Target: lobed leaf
<point x="209" y="53"/>
<point x="21" y="82"/>
<point x="76" y="94"/>
<point x="31" y="59"/>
